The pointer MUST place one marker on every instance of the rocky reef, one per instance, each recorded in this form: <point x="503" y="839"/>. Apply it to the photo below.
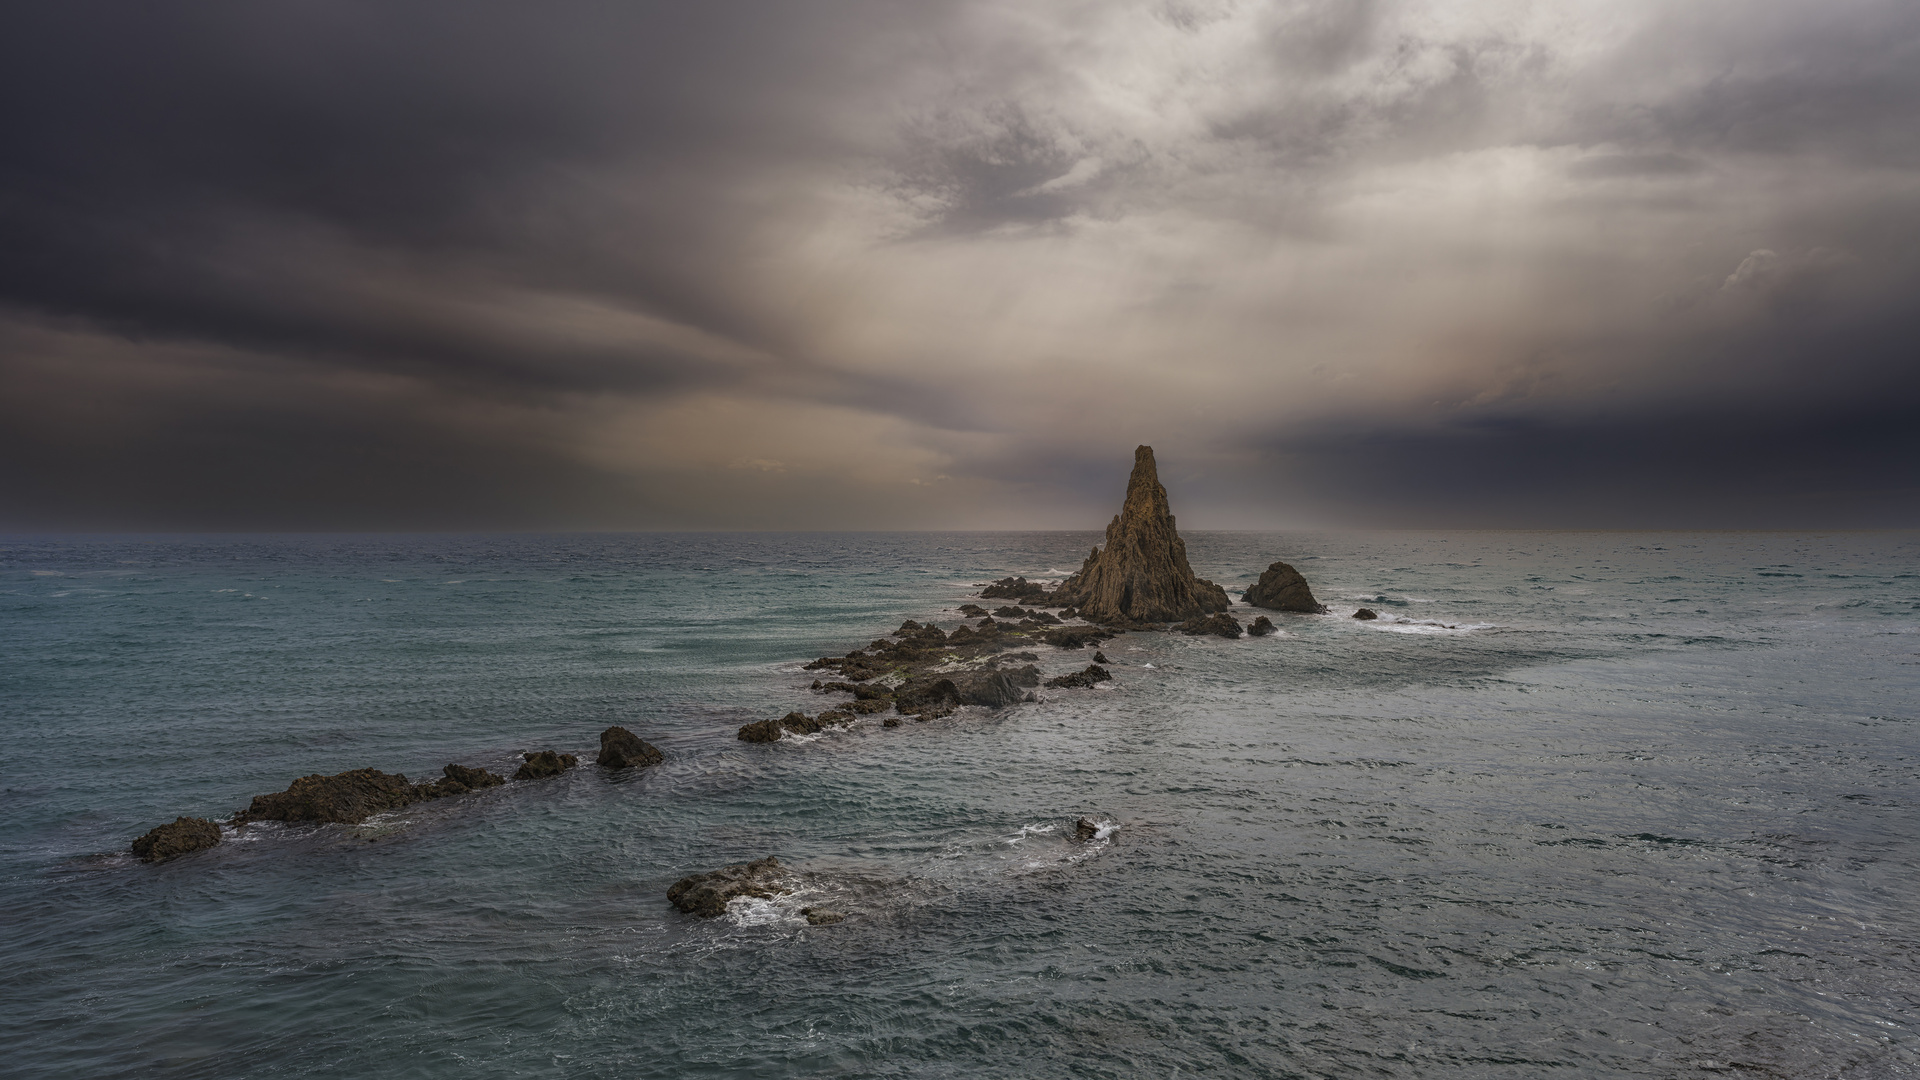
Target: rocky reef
<point x="183" y="835"/>
<point x="544" y="764"/>
<point x="622" y="749"/>
<point x="707" y="895"/>
<point x="1142" y="576"/>
<point x="1281" y="588"/>
<point x="353" y="796"/>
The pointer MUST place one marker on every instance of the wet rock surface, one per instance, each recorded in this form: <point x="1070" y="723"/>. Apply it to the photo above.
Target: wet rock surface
<point x="1142" y="575"/>
<point x="707" y="895"/>
<point x="544" y="764"/>
<point x="1085" y="830"/>
<point x="821" y="916"/>
<point x="461" y="779"/>
<point x="347" y="798"/>
<point x="1260" y="627"/>
<point x="1093" y="673"/>
<point x="622" y="749"/>
<point x="1282" y="588"/>
<point x="1219" y="624"/>
<point x="179" y="837"/>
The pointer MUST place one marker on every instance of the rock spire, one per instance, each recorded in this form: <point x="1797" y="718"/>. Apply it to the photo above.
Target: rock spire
<point x="1142" y="575"/>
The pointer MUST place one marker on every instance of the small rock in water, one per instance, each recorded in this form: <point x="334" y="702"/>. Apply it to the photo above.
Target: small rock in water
<point x="621" y="749"/>
<point x="1094" y="673"/>
<point x="972" y="611"/>
<point x="1366" y="613"/>
<point x="182" y="836"/>
<point x="891" y="721"/>
<point x="1260" y="627"/>
<point x="1219" y="624"/>
<point x="1283" y="589"/>
<point x="706" y="895"/>
<point x="1100" y="657"/>
<point x="545" y="764"/>
<point x="821" y="916"/>
<point x="1085" y="830"/>
<point x="348" y="798"/>
<point x="460" y="779"/>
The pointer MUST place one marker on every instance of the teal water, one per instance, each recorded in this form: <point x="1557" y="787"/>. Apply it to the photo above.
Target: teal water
<point x="1637" y="805"/>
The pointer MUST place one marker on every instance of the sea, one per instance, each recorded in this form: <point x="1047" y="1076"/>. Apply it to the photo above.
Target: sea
<point x="1576" y="805"/>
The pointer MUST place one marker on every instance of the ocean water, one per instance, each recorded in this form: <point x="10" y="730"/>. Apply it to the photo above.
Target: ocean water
<point x="1633" y="805"/>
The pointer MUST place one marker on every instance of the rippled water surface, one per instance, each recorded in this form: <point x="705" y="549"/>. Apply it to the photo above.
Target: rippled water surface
<point x="1579" y="804"/>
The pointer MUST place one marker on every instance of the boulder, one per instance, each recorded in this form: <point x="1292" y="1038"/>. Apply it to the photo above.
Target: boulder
<point x="760" y="731"/>
<point x="973" y="611"/>
<point x="1143" y="574"/>
<point x="1366" y="613"/>
<point x="706" y="895"/>
<point x="1260" y="627"/>
<point x="171" y="841"/>
<point x="1094" y="673"/>
<point x="621" y="749"/>
<point x="544" y="764"/>
<point x="1220" y="624"/>
<point x="1281" y="588"/>
<point x="1018" y="589"/>
<point x="1100" y="657"/>
<point x="988" y="688"/>
<point x="1075" y="637"/>
<point x="1085" y="830"/>
<point x="460" y="779"/>
<point x="348" y="797"/>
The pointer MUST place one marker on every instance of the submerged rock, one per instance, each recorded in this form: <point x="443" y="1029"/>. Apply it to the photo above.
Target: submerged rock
<point x="1260" y="627"/>
<point x="1085" y="830"/>
<point x="1366" y="613"/>
<point x="821" y="916"/>
<point x="544" y="764"/>
<point x="1143" y="574"/>
<point x="706" y="895"/>
<point x="621" y="749"/>
<point x="1281" y="588"/>
<point x="1094" y="673"/>
<point x="184" y="835"/>
<point x="1219" y="624"/>
<point x="349" y="798"/>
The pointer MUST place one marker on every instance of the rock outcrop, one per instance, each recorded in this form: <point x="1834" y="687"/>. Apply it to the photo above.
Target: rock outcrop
<point x="1281" y="588"/>
<point x="182" y="836"/>
<point x="621" y="749"/>
<point x="460" y="779"/>
<point x="1142" y="575"/>
<point x="706" y="895"/>
<point x="1081" y="680"/>
<point x="544" y="764"/>
<point x="1219" y="624"/>
<point x="1260" y="627"/>
<point x="1366" y="613"/>
<point x="348" y="798"/>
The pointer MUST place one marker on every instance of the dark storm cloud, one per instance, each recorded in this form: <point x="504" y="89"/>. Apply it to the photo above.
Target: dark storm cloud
<point x="866" y="264"/>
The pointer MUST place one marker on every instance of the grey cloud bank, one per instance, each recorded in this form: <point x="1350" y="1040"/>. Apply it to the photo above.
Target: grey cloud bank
<point x="859" y="265"/>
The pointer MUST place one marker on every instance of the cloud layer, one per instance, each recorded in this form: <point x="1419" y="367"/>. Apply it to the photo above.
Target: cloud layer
<point x="864" y="265"/>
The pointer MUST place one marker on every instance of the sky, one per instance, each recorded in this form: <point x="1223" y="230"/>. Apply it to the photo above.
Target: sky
<point x="811" y="264"/>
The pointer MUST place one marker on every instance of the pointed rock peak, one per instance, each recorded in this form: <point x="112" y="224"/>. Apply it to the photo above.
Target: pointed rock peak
<point x="1143" y="574"/>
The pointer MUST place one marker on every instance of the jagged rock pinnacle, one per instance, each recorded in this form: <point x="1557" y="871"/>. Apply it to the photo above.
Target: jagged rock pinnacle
<point x="1142" y="575"/>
